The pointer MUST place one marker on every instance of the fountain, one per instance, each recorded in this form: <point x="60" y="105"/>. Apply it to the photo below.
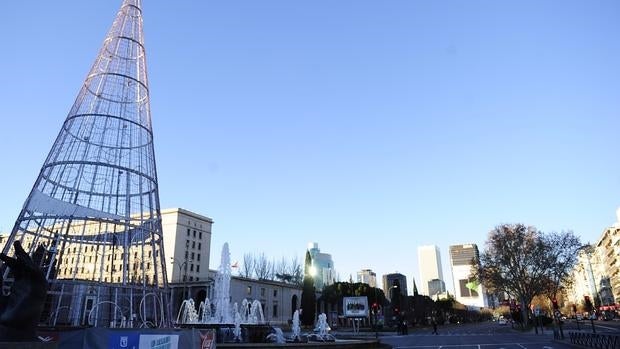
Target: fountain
<point x="296" y="328"/>
<point x="229" y="322"/>
<point x="244" y="322"/>
<point x="237" y="330"/>
<point x="322" y="329"/>
<point x="222" y="288"/>
<point x="277" y="336"/>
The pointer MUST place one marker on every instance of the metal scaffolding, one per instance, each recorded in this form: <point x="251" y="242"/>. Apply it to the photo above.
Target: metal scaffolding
<point x="95" y="203"/>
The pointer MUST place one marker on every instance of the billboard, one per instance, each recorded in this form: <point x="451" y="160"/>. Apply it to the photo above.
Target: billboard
<point x="355" y="306"/>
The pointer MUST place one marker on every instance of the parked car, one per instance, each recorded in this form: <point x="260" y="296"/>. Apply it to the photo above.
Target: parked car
<point x="502" y="321"/>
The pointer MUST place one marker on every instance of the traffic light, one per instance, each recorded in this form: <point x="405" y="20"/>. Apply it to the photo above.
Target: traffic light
<point x="587" y="303"/>
<point x="555" y="304"/>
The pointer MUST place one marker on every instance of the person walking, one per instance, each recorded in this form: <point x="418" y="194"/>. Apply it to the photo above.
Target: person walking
<point x="434" y="323"/>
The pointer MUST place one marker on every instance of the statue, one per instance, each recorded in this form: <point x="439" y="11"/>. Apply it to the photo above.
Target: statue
<point x="21" y="310"/>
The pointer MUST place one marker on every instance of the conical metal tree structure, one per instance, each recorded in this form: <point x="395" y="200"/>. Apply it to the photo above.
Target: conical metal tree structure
<point x="95" y="204"/>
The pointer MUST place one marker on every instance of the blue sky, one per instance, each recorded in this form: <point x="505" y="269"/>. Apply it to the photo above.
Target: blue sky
<point x="370" y="127"/>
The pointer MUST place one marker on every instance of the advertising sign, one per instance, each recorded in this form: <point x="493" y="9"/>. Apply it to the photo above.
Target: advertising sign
<point x="159" y="341"/>
<point x="355" y="306"/>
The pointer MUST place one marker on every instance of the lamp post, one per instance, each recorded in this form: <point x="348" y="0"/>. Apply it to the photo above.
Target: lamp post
<point x="588" y="251"/>
<point x="182" y="268"/>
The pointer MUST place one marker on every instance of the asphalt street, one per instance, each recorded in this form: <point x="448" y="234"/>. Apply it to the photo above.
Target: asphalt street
<point x="489" y="335"/>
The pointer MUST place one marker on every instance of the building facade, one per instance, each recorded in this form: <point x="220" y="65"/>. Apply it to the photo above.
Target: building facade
<point x="467" y="290"/>
<point x="325" y="274"/>
<point x="607" y="262"/>
<point x="187" y="244"/>
<point x="436" y="287"/>
<point x="596" y="273"/>
<point x="388" y="284"/>
<point x="368" y="277"/>
<point x="429" y="262"/>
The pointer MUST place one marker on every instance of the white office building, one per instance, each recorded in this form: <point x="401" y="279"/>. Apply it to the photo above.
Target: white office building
<point x="467" y="290"/>
<point x="429" y="262"/>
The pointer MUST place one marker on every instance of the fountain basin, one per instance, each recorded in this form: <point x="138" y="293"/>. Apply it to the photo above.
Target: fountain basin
<point x="250" y="333"/>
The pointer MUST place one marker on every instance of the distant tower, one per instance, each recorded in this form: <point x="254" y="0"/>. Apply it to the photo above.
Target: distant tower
<point x="323" y="266"/>
<point x="388" y="284"/>
<point x="429" y="262"/>
<point x="367" y="276"/>
<point x="95" y="204"/>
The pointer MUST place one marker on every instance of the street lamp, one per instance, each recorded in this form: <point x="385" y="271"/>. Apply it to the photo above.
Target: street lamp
<point x="588" y="253"/>
<point x="182" y="268"/>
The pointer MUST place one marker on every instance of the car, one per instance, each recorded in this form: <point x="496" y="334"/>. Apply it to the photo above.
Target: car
<point x="502" y="321"/>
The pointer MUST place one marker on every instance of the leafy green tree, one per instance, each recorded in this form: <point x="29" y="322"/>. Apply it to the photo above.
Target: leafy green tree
<point x="308" y="295"/>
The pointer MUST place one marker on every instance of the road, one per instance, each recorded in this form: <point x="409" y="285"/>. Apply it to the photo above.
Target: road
<point x="487" y="335"/>
<point x="599" y="326"/>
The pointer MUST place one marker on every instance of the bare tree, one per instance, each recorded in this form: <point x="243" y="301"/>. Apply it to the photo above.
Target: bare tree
<point x="562" y="251"/>
<point x="296" y="272"/>
<point x="262" y="267"/>
<point x="281" y="267"/>
<point x="515" y="262"/>
<point x="247" y="267"/>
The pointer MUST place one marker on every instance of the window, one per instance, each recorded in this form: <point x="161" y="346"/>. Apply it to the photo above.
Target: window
<point x="275" y="293"/>
<point x="194" y="233"/>
<point x="249" y="290"/>
<point x="191" y="278"/>
<point x="468" y="288"/>
<point x="262" y="292"/>
<point x="186" y="254"/>
<point x="199" y="245"/>
<point x="275" y="310"/>
<point x="191" y="267"/>
<point x="186" y="243"/>
<point x="193" y="244"/>
<point x="200" y="234"/>
<point x="188" y="230"/>
<point x="192" y="255"/>
<point x="198" y="257"/>
<point x="197" y="268"/>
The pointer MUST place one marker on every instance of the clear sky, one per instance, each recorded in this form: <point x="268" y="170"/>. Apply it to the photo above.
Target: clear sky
<point x="370" y="127"/>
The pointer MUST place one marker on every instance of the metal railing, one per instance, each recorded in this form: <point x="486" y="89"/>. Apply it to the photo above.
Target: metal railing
<point x="595" y="340"/>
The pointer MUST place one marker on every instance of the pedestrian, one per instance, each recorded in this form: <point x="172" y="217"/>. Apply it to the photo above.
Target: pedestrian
<point x="434" y="323"/>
